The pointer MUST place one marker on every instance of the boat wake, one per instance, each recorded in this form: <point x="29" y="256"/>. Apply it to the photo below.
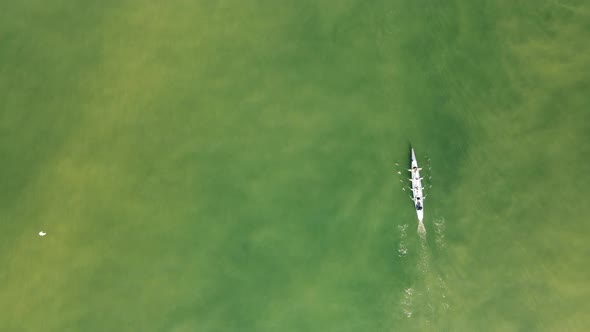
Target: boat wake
<point x="407" y="302"/>
<point x="440" y="242"/>
<point x="425" y="298"/>
<point x="402" y="249"/>
<point x="439" y="233"/>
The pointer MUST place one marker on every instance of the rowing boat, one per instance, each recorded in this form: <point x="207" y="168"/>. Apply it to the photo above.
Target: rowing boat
<point x="417" y="189"/>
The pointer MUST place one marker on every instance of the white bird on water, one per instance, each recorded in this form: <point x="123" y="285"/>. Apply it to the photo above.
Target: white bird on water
<point x="42" y="233"/>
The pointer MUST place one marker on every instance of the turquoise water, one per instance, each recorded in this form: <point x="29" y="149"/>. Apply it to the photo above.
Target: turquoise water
<point x="230" y="166"/>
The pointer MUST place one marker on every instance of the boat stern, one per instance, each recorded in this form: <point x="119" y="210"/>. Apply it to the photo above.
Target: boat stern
<point x="420" y="214"/>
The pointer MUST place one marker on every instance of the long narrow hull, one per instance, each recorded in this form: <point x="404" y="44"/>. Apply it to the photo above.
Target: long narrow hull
<point x="417" y="189"/>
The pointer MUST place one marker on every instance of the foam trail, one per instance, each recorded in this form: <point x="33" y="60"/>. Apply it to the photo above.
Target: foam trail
<point x="424" y="280"/>
<point x="424" y="256"/>
<point x="421" y="230"/>
<point x="442" y="285"/>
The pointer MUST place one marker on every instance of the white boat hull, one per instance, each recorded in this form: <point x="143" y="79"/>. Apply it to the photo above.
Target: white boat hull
<point x="417" y="189"/>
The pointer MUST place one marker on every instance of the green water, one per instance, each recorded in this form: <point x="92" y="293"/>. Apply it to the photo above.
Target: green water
<point x="230" y="165"/>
